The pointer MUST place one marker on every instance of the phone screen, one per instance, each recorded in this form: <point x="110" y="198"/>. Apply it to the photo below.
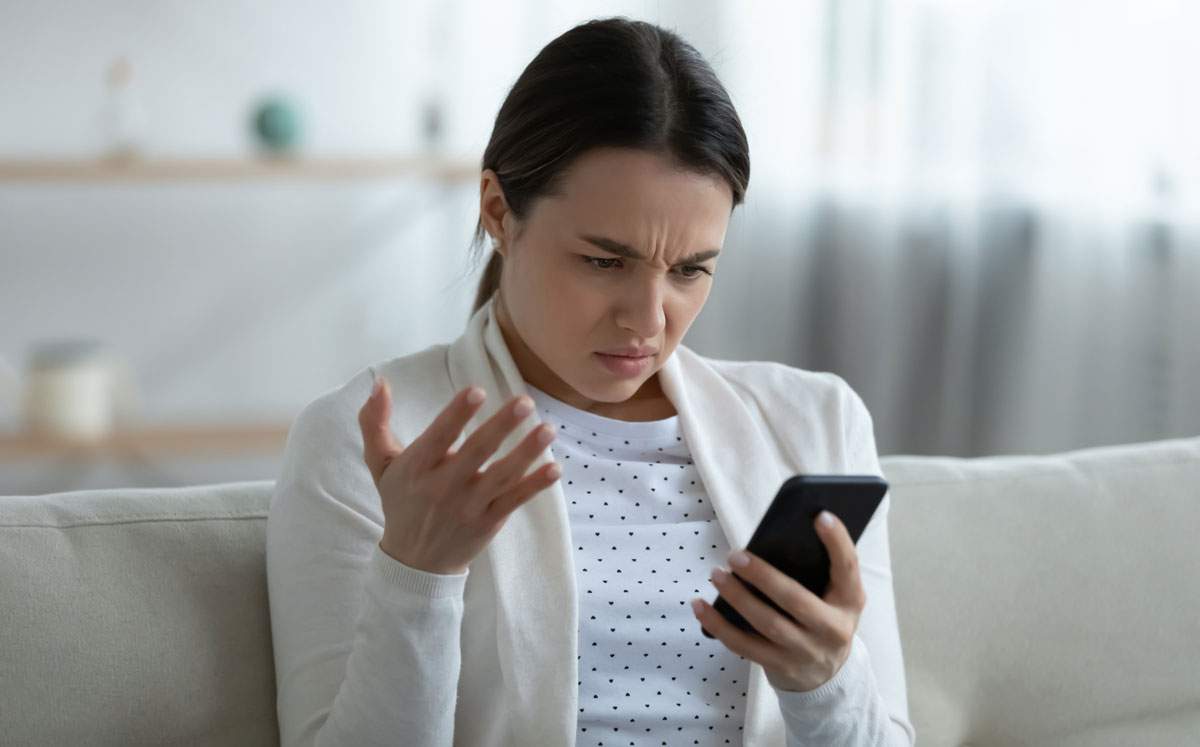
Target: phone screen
<point x="787" y="539"/>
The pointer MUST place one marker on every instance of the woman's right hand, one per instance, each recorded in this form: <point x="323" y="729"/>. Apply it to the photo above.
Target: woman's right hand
<point x="439" y="510"/>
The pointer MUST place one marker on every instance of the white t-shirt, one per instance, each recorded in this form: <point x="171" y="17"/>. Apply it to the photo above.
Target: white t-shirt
<point x="645" y="540"/>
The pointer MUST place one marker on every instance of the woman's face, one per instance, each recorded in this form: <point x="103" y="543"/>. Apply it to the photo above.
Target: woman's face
<point x="567" y="292"/>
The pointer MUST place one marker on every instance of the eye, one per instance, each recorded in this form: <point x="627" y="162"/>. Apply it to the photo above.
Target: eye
<point x="593" y="260"/>
<point x="599" y="259"/>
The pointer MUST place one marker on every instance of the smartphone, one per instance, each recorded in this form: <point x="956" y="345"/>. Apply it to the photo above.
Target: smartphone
<point x="787" y="539"/>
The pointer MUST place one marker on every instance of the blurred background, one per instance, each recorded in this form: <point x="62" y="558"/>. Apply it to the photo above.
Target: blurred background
<point x="982" y="214"/>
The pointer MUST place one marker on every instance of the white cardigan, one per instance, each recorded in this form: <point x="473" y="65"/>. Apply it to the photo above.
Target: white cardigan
<point x="512" y="681"/>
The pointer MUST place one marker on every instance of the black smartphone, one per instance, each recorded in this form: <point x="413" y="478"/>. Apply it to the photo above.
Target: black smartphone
<point x="787" y="539"/>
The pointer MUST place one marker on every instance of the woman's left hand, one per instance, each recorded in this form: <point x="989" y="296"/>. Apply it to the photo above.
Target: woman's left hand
<point x="795" y="657"/>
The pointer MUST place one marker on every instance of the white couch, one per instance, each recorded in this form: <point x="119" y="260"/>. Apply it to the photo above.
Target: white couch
<point x="1042" y="600"/>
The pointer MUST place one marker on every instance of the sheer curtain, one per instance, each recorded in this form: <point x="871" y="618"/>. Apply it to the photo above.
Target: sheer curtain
<point x="982" y="214"/>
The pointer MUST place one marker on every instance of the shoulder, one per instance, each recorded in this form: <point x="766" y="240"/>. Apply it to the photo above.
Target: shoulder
<point x="823" y="417"/>
<point x="776" y="385"/>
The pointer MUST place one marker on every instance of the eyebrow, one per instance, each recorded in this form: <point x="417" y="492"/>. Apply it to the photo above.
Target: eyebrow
<point x="616" y="247"/>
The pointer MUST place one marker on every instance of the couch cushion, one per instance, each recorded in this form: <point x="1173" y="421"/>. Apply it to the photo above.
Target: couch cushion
<point x="136" y="616"/>
<point x="1050" y="599"/>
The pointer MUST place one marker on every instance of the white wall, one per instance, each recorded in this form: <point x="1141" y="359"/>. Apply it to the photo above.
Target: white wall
<point x="244" y="301"/>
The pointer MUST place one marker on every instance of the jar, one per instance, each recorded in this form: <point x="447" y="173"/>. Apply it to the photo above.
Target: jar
<point x="73" y="389"/>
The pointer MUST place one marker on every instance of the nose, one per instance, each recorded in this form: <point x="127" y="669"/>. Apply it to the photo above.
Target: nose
<point x="641" y="309"/>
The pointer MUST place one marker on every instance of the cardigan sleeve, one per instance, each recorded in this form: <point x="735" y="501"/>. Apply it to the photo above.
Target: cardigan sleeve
<point x="367" y="649"/>
<point x="866" y="701"/>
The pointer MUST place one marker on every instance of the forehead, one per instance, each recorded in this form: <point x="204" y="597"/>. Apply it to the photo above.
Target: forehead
<point x="642" y="196"/>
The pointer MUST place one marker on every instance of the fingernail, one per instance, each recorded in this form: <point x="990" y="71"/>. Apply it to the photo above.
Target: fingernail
<point x="825" y="518"/>
<point x="376" y="387"/>
<point x="475" y="396"/>
<point x="739" y="559"/>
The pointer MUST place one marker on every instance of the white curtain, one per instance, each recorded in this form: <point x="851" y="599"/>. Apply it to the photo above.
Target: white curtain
<point x="982" y="214"/>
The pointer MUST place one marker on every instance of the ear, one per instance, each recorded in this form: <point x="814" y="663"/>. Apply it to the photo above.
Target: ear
<point x="493" y="209"/>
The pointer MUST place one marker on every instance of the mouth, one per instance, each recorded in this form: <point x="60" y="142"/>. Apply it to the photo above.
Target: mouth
<point x="630" y="352"/>
<point x="624" y="365"/>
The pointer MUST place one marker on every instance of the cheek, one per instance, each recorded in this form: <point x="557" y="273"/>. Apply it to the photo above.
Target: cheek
<point x="570" y="309"/>
<point x="574" y="294"/>
<point x="681" y="314"/>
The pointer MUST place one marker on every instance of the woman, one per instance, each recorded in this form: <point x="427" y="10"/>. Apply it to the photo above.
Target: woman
<point x="437" y="577"/>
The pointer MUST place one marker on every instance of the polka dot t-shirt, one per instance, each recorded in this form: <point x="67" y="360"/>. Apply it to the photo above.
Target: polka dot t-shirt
<point x="645" y="540"/>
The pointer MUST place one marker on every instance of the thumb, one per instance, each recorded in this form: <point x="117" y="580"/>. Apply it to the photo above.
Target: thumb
<point x="379" y="445"/>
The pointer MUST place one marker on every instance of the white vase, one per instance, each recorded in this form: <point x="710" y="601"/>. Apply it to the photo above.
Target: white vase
<point x="72" y="390"/>
<point x="122" y="115"/>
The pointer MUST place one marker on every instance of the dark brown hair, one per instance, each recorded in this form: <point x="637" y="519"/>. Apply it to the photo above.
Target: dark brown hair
<point x="611" y="82"/>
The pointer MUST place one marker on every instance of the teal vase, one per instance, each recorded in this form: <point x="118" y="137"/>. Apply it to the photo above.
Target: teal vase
<point x="277" y="124"/>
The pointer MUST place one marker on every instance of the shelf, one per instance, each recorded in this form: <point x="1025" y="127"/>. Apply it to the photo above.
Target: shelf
<point x="235" y="169"/>
<point x="232" y="440"/>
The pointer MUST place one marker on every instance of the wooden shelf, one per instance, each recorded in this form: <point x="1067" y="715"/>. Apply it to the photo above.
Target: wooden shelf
<point x="235" y="169"/>
<point x="234" y="440"/>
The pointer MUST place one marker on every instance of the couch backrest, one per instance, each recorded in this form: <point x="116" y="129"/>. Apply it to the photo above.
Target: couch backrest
<point x="1041" y="600"/>
<point x="136" y="617"/>
<point x="1050" y="599"/>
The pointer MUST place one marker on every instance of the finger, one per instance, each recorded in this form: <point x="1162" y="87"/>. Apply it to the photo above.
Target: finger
<point x="502" y="473"/>
<point x="431" y="446"/>
<point x="735" y="639"/>
<point x="487" y="438"/>
<point x="845" y="582"/>
<point x="769" y="623"/>
<point x="379" y="445"/>
<point x="523" y="491"/>
<point x="810" y="611"/>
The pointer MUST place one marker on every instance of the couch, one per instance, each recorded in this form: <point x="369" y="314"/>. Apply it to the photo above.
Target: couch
<point x="1042" y="600"/>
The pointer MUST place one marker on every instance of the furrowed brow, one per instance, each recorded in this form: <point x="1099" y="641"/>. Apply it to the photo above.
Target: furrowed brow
<point x="615" y="247"/>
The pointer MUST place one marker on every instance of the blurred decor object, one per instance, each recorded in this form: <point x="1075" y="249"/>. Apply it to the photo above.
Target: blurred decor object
<point x="10" y="381"/>
<point x="277" y="124"/>
<point x="432" y="125"/>
<point x="123" y="118"/>
<point x="76" y="389"/>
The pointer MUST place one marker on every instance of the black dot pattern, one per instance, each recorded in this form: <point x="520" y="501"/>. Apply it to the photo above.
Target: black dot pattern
<point x="645" y="539"/>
